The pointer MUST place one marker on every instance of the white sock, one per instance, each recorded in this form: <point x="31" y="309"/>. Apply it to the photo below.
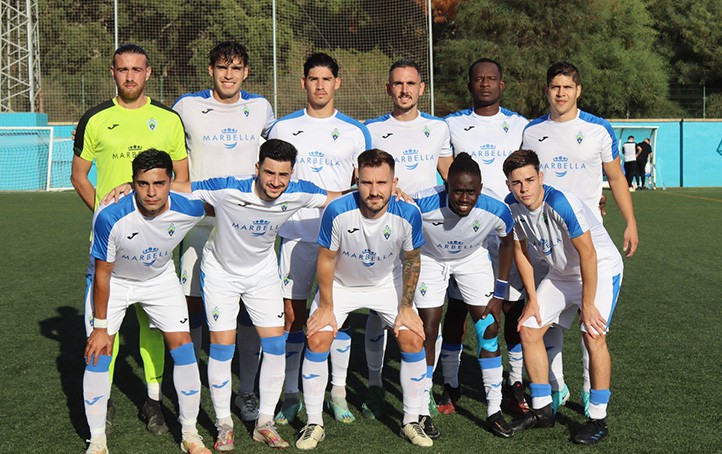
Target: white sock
<point x="270" y="381"/>
<point x="516" y="363"/>
<point x="437" y="347"/>
<point x="248" y="345"/>
<point x="450" y="362"/>
<point x="492" y="373"/>
<point x="340" y="355"/>
<point x="411" y="375"/>
<point x="294" y="353"/>
<point x="426" y="396"/>
<point x="587" y="384"/>
<point x="96" y="392"/>
<point x="154" y="391"/>
<point x="375" y="342"/>
<point x="314" y="379"/>
<point x="554" y="341"/>
<point x="219" y="379"/>
<point x="598" y="400"/>
<point x="187" y="382"/>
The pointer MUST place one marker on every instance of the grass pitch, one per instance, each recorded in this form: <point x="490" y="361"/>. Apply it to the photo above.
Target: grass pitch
<point x="665" y="344"/>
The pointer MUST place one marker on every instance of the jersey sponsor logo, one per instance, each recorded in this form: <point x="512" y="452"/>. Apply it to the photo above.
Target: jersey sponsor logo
<point x="206" y="111"/>
<point x="427" y="131"/>
<point x="317" y="160"/>
<point x="132" y="152"/>
<point x="355" y="229"/>
<point x="243" y="204"/>
<point x="171" y="229"/>
<point x="335" y="134"/>
<point x="148" y="257"/>
<point x="368" y="257"/>
<point x="505" y="126"/>
<point x="184" y="320"/>
<point x="437" y="223"/>
<point x="543" y="138"/>
<point x="423" y="289"/>
<point x="580" y="137"/>
<point x="387" y="135"/>
<point x="454" y="246"/>
<point x="257" y="228"/>
<point x="297" y="132"/>
<point x="151" y="123"/>
<point x="411" y="158"/>
<point x="229" y="137"/>
<point x="280" y="315"/>
<point x="469" y="128"/>
<point x="488" y="153"/>
<point x="488" y="295"/>
<point x="561" y="166"/>
<point x="546" y="246"/>
<point x="387" y="232"/>
<point x="132" y="235"/>
<point x="113" y="126"/>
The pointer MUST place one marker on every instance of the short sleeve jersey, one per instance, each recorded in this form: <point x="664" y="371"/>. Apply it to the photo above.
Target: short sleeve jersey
<point x="450" y="236"/>
<point x="571" y="153"/>
<point x="368" y="251"/>
<point x="489" y="140"/>
<point x="113" y="135"/>
<point x="630" y="151"/>
<point x="246" y="226"/>
<point x="223" y="139"/>
<point x="141" y="248"/>
<point x="550" y="228"/>
<point x="416" y="146"/>
<point x="327" y="152"/>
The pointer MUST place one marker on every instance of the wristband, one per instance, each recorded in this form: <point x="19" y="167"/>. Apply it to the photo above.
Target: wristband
<point x="500" y="289"/>
<point x="100" y="323"/>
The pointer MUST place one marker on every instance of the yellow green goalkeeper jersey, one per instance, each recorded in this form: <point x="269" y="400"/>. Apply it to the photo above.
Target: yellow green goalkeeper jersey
<point x="113" y="135"/>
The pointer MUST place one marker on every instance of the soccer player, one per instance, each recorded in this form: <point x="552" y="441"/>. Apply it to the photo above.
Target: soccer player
<point x="585" y="274"/>
<point x="224" y="126"/>
<point x="112" y="134"/>
<point x="488" y="133"/>
<point x="420" y="146"/>
<point x="574" y="147"/>
<point x="457" y="218"/>
<point x="328" y="144"/>
<point x="364" y="239"/>
<point x="132" y="254"/>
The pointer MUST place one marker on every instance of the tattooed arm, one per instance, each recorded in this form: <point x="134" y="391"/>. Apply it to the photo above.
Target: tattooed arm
<point x="407" y="315"/>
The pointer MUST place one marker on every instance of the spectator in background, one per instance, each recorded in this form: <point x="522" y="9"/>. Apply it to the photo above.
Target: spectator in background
<point x="644" y="151"/>
<point x="629" y="148"/>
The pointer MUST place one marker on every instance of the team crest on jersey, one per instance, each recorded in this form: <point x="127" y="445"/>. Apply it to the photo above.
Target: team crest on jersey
<point x="284" y="206"/>
<point x="246" y="111"/>
<point x="580" y="137"/>
<point x="423" y="289"/>
<point x="505" y="126"/>
<point x="387" y="232"/>
<point x="287" y="279"/>
<point x="427" y="131"/>
<point x="335" y="134"/>
<point x="184" y="277"/>
<point x="152" y="124"/>
<point x="476" y="225"/>
<point x="216" y="313"/>
<point x="171" y="229"/>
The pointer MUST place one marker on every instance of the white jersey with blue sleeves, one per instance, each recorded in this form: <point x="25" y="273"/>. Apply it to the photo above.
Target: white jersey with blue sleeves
<point x="550" y="229"/>
<point x="223" y="139"/>
<point x="141" y="248"/>
<point x="489" y="140"/>
<point x="416" y="146"/>
<point x="368" y="251"/>
<point x="450" y="236"/>
<point x="571" y="153"/>
<point x="246" y="226"/>
<point x="327" y="152"/>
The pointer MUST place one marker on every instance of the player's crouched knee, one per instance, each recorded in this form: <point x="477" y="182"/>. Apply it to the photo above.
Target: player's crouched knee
<point x="409" y="341"/>
<point x="530" y="335"/>
<point x="320" y="341"/>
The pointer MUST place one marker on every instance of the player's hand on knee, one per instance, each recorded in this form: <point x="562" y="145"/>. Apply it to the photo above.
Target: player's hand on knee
<point x="116" y="192"/>
<point x="410" y="319"/>
<point x="531" y="309"/>
<point x="99" y="343"/>
<point x="592" y="321"/>
<point x="321" y="318"/>
<point x="493" y="307"/>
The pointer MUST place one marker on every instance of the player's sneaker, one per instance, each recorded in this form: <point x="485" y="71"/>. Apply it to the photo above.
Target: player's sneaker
<point x="514" y="401"/>
<point x="429" y="427"/>
<point x="290" y="408"/>
<point x="248" y="405"/>
<point x="340" y="410"/>
<point x="560" y="398"/>
<point x="268" y="434"/>
<point x="373" y="406"/>
<point x="224" y="441"/>
<point x="447" y="403"/>
<point x="585" y="400"/>
<point x="109" y="417"/>
<point x="192" y="443"/>
<point x="311" y="435"/>
<point x="416" y="435"/>
<point x="541" y="418"/>
<point x="98" y="445"/>
<point x="591" y="432"/>
<point x="497" y="425"/>
<point x="152" y="416"/>
<point x="433" y="411"/>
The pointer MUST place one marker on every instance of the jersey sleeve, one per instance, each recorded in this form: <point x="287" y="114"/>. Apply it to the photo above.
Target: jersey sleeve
<point x="270" y="120"/>
<point x="416" y="239"/>
<point x="315" y="196"/>
<point x="178" y="142"/>
<point x="84" y="146"/>
<point x="328" y="232"/>
<point x="103" y="244"/>
<point x="212" y="191"/>
<point x="446" y="150"/>
<point x="506" y="222"/>
<point x="570" y="213"/>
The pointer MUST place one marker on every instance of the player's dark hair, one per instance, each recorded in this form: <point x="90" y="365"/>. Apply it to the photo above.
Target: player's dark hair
<point x="565" y="69"/>
<point x="486" y="60"/>
<point x="278" y="150"/>
<point x="375" y="158"/>
<point x="226" y="52"/>
<point x="630" y="137"/>
<point x="405" y="63"/>
<point x="320" y="59"/>
<point x="152" y="159"/>
<point x="519" y="159"/>
<point x="131" y="49"/>
<point x="464" y="163"/>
